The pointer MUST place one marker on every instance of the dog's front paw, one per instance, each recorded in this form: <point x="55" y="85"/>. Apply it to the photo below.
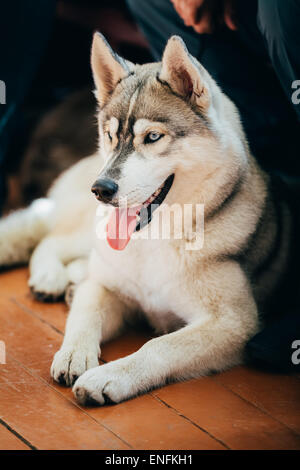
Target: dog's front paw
<point x="110" y="383"/>
<point x="69" y="363"/>
<point x="49" y="282"/>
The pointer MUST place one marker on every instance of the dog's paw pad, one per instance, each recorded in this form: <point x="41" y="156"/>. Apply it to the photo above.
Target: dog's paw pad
<point x="107" y="399"/>
<point x="45" y="297"/>
<point x="85" y="399"/>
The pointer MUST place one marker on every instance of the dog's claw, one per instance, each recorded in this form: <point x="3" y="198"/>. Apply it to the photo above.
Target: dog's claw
<point x="62" y="379"/>
<point x="74" y="378"/>
<point x="107" y="399"/>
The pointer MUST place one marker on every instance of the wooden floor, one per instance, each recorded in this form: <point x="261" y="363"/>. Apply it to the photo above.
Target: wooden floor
<point x="239" y="409"/>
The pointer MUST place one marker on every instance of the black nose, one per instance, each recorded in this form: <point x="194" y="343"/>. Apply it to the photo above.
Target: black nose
<point x="105" y="189"/>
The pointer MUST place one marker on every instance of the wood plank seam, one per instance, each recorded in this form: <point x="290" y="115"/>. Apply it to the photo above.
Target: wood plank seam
<point x="40" y="379"/>
<point x="35" y="315"/>
<point x="27" y="310"/>
<point x="106" y="427"/>
<point x="190" y="421"/>
<point x="21" y="438"/>
<point x="30" y="312"/>
<point x="263" y="410"/>
<point x="94" y="419"/>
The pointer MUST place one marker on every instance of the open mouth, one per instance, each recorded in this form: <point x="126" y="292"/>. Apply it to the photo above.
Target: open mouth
<point x="144" y="216"/>
<point x="123" y="222"/>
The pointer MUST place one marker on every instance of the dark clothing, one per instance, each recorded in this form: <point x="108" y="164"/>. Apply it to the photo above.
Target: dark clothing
<point x="24" y="32"/>
<point x="255" y="66"/>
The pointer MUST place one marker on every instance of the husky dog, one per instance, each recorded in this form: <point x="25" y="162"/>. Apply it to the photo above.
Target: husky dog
<point x="167" y="135"/>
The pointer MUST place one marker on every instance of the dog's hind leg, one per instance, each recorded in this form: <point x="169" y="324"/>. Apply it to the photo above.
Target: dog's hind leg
<point x="22" y="230"/>
<point x="49" y="274"/>
<point x="77" y="272"/>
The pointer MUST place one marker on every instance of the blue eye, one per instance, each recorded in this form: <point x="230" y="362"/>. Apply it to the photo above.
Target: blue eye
<point x="153" y="137"/>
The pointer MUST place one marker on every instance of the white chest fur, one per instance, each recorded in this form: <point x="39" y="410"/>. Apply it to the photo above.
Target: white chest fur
<point x="150" y="274"/>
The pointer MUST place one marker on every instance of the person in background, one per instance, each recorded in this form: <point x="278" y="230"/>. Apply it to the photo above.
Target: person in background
<point x="252" y="49"/>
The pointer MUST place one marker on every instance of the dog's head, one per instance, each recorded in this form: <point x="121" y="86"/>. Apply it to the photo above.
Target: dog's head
<point x="163" y="127"/>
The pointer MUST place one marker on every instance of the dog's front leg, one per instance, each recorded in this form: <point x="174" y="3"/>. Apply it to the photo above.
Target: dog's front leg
<point x="96" y="316"/>
<point x="183" y="354"/>
<point x="187" y="353"/>
<point x="213" y="341"/>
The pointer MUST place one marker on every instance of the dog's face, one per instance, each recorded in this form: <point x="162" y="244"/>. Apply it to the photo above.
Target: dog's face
<point x="157" y="125"/>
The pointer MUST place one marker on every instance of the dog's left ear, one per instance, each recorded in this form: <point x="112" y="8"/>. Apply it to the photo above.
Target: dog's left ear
<point x="108" y="68"/>
<point x="183" y="74"/>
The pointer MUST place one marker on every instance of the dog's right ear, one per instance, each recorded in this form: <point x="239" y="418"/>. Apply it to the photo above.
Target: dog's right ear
<point x="108" y="68"/>
<point x="183" y="74"/>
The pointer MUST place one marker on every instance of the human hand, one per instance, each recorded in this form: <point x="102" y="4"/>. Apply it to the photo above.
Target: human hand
<point x="206" y="15"/>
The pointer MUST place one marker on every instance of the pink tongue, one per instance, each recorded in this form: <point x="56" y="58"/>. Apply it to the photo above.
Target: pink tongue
<point x="121" y="226"/>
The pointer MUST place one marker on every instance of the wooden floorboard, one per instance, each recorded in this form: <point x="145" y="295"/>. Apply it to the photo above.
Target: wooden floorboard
<point x="276" y="395"/>
<point x="9" y="440"/>
<point x="239" y="409"/>
<point x="45" y="418"/>
<point x="236" y="422"/>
